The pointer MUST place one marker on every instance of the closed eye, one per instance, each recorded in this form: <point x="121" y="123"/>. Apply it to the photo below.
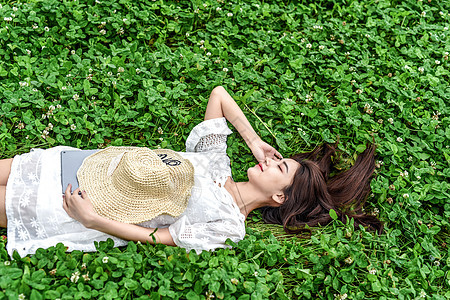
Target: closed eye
<point x="280" y="168"/>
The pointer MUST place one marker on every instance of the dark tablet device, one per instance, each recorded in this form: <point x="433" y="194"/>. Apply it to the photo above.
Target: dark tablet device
<point x="71" y="161"/>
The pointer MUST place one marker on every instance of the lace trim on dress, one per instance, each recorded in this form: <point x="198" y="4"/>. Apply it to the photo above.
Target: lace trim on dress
<point x="209" y="135"/>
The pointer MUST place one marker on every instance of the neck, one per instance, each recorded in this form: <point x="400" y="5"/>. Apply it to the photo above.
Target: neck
<point x="251" y="198"/>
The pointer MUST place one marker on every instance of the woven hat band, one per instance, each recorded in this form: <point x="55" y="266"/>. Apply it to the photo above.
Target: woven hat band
<point x="142" y="173"/>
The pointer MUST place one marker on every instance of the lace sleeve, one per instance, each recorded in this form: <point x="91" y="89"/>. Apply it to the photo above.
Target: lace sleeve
<point x="205" y="236"/>
<point x="209" y="136"/>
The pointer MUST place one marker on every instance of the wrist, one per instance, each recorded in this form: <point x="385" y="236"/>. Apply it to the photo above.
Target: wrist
<point x="92" y="221"/>
<point x="253" y="142"/>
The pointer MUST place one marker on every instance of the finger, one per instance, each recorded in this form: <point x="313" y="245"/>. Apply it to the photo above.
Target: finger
<point x="83" y="194"/>
<point x="65" y="204"/>
<point x="67" y="193"/>
<point x="77" y="192"/>
<point x="278" y="155"/>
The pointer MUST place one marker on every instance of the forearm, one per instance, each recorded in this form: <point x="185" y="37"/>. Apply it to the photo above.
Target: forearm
<point x="233" y="113"/>
<point x="132" y="232"/>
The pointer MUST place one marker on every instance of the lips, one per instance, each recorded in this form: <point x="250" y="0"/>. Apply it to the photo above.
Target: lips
<point x="261" y="167"/>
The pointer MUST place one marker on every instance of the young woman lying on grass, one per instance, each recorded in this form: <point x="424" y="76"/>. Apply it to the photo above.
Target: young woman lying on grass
<point x="293" y="192"/>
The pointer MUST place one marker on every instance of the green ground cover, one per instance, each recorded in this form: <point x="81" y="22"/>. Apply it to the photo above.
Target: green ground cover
<point x="91" y="74"/>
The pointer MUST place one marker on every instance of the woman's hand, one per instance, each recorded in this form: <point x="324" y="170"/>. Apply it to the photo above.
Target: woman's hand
<point x="261" y="150"/>
<point x="79" y="207"/>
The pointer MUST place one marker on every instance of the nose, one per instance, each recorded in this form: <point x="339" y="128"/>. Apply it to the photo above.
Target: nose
<point x="269" y="161"/>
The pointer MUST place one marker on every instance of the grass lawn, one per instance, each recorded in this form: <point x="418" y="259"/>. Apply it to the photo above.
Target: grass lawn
<point x="91" y="74"/>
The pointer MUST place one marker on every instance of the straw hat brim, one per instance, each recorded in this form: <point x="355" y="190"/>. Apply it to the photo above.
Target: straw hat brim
<point x="129" y="206"/>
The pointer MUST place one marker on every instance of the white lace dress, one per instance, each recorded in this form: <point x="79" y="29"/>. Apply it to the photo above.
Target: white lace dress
<point x="36" y="218"/>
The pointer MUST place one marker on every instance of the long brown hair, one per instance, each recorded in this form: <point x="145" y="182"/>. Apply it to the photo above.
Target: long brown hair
<point x="313" y="192"/>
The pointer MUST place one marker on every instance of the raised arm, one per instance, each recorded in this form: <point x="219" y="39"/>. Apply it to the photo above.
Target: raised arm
<point x="221" y="104"/>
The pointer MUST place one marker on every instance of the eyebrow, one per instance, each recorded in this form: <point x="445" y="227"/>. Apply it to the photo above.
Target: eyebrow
<point x="287" y="168"/>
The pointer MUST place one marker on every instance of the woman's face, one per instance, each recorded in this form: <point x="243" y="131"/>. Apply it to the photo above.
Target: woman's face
<point x="272" y="176"/>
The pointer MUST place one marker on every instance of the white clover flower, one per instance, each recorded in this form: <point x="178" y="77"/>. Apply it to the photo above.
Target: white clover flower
<point x="120" y="69"/>
<point x="105" y="259"/>
<point x="187" y="34"/>
<point x="422" y="294"/>
<point x="138" y="70"/>
<point x="390" y="120"/>
<point x="103" y="31"/>
<point x="8" y="19"/>
<point x="373" y="271"/>
<point x="109" y="73"/>
<point x="124" y="19"/>
<point x="28" y="51"/>
<point x="367" y="35"/>
<point x="410" y="158"/>
<point x="205" y="5"/>
<point x="359" y="91"/>
<point x="23" y="83"/>
<point x="69" y="75"/>
<point x="160" y="131"/>
<point x="407" y="67"/>
<point x="22" y="297"/>
<point x="437" y="62"/>
<point x="348" y="260"/>
<point x="196" y="11"/>
<point x="225" y="69"/>
<point x="35" y="26"/>
<point x="63" y="88"/>
<point x="76" y="97"/>
<point x="343" y="296"/>
<point x="309" y="46"/>
<point x="201" y="42"/>
<point x="321" y="47"/>
<point x="7" y="263"/>
<point x="234" y="281"/>
<point x="351" y="69"/>
<point x="423" y="14"/>
<point x="46" y="28"/>
<point x="255" y="274"/>
<point x="208" y="54"/>
<point x="399" y="139"/>
<point x="421" y="69"/>
<point x="405" y="196"/>
<point x="103" y="23"/>
<point x="229" y="14"/>
<point x="72" y="52"/>
<point x="14" y="8"/>
<point x="445" y="28"/>
<point x="75" y="276"/>
<point x="218" y="9"/>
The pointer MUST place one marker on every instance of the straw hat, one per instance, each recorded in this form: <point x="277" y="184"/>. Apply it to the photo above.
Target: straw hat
<point x="136" y="184"/>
